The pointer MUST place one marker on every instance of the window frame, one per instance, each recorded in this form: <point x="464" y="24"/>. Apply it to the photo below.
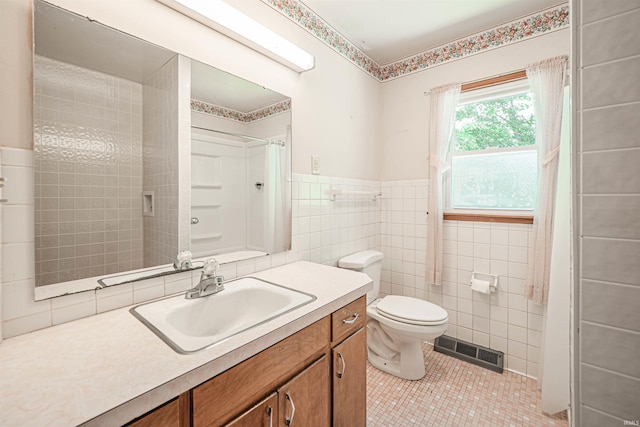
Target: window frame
<point x="497" y="87"/>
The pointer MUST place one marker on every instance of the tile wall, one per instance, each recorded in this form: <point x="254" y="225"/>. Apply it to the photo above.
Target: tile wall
<point x="160" y="164"/>
<point x="607" y="106"/>
<point x="403" y="234"/>
<point x="503" y="321"/>
<point x="87" y="153"/>
<point x="323" y="231"/>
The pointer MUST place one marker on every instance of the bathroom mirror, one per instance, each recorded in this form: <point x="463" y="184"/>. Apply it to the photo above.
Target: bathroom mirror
<point x="141" y="153"/>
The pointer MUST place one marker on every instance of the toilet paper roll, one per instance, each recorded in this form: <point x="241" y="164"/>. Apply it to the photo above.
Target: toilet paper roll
<point x="482" y="286"/>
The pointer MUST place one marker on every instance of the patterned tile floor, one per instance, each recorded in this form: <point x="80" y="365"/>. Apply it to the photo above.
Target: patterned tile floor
<point x="455" y="393"/>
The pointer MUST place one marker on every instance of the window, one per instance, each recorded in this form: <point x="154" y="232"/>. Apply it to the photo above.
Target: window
<point x="493" y="157"/>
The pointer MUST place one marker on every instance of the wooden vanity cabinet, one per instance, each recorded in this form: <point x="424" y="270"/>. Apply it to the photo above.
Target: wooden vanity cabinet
<point x="349" y="360"/>
<point x="309" y="393"/>
<point x="264" y="414"/>
<point x="175" y="413"/>
<point x="320" y="370"/>
<point x="222" y="398"/>
<point x="350" y="381"/>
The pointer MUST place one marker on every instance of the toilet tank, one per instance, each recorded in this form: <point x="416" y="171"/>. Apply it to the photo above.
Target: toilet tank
<point x="369" y="262"/>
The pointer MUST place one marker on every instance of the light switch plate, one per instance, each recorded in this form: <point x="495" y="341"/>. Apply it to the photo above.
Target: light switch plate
<point x="315" y="165"/>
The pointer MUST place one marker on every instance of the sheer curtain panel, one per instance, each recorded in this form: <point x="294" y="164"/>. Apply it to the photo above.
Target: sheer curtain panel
<point x="547" y="81"/>
<point x="444" y="100"/>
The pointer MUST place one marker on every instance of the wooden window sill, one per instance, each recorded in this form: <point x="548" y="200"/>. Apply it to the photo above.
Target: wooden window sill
<point x="505" y="219"/>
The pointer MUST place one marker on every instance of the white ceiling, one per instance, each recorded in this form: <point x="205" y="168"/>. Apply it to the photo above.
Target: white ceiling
<point x="389" y="30"/>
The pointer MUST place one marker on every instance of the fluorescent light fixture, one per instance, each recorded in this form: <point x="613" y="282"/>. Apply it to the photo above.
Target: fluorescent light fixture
<point x="223" y="18"/>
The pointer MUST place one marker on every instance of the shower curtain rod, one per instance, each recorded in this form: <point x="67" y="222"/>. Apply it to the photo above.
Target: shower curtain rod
<point x="253" y="138"/>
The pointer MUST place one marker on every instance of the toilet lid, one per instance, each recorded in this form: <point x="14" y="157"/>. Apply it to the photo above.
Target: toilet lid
<point x="412" y="310"/>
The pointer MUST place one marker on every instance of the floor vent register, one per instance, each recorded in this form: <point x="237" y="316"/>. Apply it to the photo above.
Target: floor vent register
<point x="472" y="353"/>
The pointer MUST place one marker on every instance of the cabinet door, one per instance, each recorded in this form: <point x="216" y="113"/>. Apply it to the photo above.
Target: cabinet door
<point x="261" y="415"/>
<point x="168" y="415"/>
<point x="305" y="400"/>
<point x="350" y="381"/>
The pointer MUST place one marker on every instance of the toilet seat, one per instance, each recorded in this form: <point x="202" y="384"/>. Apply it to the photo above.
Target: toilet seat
<point x="412" y="311"/>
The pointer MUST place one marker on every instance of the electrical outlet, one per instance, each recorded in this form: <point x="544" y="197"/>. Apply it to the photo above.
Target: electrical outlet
<point x="315" y="165"/>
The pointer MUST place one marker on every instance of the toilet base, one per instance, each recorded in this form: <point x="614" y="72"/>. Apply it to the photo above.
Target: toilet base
<point x="408" y="364"/>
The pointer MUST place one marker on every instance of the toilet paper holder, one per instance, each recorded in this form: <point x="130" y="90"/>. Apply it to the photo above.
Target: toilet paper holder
<point x="491" y="278"/>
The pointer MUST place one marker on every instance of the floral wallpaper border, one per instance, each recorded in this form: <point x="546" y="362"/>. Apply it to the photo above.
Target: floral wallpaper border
<point x="227" y="113"/>
<point x="543" y="22"/>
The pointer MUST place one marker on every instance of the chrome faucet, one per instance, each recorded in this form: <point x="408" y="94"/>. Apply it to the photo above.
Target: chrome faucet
<point x="183" y="262"/>
<point x="209" y="283"/>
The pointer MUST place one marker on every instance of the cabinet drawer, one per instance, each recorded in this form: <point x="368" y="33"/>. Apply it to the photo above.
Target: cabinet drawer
<point x="348" y="319"/>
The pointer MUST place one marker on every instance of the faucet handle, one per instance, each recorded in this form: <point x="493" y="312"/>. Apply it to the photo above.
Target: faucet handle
<point x="183" y="261"/>
<point x="184" y="256"/>
<point x="210" y="267"/>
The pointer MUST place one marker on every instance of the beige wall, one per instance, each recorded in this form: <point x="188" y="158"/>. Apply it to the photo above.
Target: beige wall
<point x="405" y="115"/>
<point x="16" y="110"/>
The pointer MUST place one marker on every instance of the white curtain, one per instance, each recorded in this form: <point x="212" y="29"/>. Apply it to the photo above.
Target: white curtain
<point x="555" y="356"/>
<point x="444" y="100"/>
<point x="547" y="80"/>
<point x="276" y="190"/>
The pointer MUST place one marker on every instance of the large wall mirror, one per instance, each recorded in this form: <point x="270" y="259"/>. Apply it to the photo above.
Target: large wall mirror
<point x="141" y="153"/>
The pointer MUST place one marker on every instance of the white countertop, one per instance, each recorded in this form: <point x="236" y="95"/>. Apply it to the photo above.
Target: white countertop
<point x="110" y="368"/>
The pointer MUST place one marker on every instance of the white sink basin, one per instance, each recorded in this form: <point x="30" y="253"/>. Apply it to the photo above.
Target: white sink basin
<point x="190" y="325"/>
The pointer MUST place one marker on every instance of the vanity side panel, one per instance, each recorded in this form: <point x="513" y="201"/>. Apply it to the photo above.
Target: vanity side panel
<point x="218" y="400"/>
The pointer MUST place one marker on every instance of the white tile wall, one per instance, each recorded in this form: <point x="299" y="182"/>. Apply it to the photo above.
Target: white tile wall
<point x="323" y="232"/>
<point x="505" y="320"/>
<point x="403" y="236"/>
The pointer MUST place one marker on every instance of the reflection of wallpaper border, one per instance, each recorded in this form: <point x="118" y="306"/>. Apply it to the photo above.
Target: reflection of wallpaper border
<point x="227" y="113"/>
<point x="546" y="21"/>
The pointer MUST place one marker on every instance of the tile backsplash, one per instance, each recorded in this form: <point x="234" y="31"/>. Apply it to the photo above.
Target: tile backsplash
<point x="323" y="231"/>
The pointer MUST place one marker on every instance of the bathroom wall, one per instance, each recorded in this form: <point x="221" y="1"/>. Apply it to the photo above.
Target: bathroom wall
<point x="323" y="232"/>
<point x="329" y="115"/>
<point x="405" y="119"/>
<point x="606" y="65"/>
<point x="504" y="320"/>
<point x="88" y="146"/>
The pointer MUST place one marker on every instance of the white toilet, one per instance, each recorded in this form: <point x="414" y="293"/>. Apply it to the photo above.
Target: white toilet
<point x="396" y="325"/>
